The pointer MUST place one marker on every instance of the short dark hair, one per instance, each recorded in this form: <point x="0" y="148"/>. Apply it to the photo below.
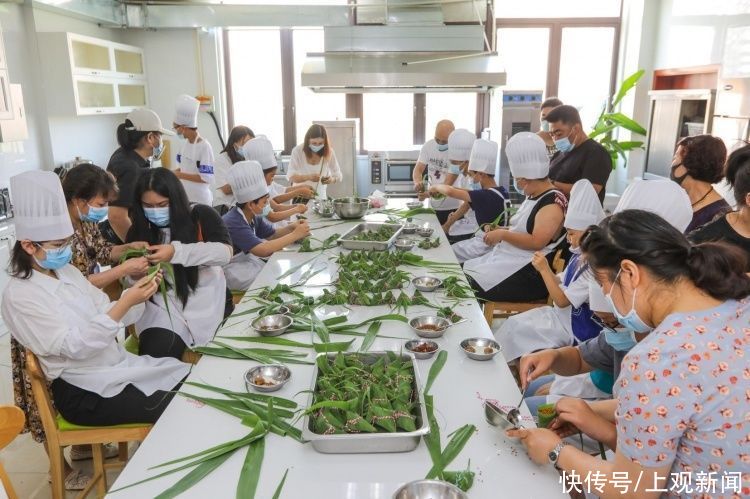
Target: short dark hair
<point x="704" y="157"/>
<point x="737" y="172"/>
<point x="551" y="102"/>
<point x="87" y="181"/>
<point x="564" y="114"/>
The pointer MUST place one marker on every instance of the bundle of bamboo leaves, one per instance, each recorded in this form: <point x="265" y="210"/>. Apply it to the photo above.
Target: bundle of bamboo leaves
<point x="166" y="267"/>
<point x="384" y="233"/>
<point x="355" y="395"/>
<point x="328" y="243"/>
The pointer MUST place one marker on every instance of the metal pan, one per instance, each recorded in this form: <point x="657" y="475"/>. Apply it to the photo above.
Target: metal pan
<point x="347" y="242"/>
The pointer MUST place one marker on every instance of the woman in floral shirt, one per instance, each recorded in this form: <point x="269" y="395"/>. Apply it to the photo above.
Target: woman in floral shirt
<point x="683" y="395"/>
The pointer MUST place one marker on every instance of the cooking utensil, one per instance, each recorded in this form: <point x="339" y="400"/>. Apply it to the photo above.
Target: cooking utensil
<point x="429" y="489"/>
<point x="267" y="377"/>
<point x="412" y="345"/>
<point x="426" y="283"/>
<point x="351" y="208"/>
<point x="272" y="325"/>
<point x="474" y="348"/>
<point x="433" y="326"/>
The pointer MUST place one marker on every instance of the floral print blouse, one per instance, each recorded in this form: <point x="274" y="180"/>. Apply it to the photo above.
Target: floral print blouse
<point x="684" y="397"/>
<point x="90" y="248"/>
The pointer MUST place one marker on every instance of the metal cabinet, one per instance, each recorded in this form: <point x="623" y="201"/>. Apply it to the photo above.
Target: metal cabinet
<point x="343" y="136"/>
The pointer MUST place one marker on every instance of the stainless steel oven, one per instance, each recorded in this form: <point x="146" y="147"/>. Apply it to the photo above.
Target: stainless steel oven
<point x="391" y="172"/>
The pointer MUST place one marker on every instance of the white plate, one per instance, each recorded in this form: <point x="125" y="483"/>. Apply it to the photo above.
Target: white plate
<point x="325" y="312"/>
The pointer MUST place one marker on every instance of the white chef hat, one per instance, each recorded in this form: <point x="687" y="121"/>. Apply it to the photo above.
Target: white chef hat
<point x="186" y="111"/>
<point x="597" y="301"/>
<point x="584" y="208"/>
<point x="661" y="196"/>
<point x="247" y="181"/>
<point x="459" y="144"/>
<point x="483" y="156"/>
<point x="41" y="213"/>
<point x="260" y="149"/>
<point x="145" y="120"/>
<point x="527" y="156"/>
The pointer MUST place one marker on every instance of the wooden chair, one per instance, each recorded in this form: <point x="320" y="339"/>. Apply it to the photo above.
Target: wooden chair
<point x="504" y="309"/>
<point x="61" y="434"/>
<point x="11" y="424"/>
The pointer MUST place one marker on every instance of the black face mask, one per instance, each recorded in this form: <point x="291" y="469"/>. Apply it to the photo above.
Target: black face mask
<point x="674" y="177"/>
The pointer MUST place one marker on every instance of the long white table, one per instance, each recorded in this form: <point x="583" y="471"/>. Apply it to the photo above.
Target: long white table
<point x="501" y="465"/>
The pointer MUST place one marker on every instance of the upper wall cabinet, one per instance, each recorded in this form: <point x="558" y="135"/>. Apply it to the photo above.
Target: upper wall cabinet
<point x="92" y="76"/>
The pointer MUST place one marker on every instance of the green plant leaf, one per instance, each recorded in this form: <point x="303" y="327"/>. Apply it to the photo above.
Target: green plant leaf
<point x="277" y="492"/>
<point x="196" y="475"/>
<point x="626" y="86"/>
<point x="250" y="473"/>
<point x="369" y="339"/>
<point x="456" y="444"/>
<point x="435" y="369"/>
<point x="258" y="397"/>
<point x="626" y="123"/>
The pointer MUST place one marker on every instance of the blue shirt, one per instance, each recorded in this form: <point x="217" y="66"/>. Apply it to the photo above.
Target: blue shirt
<point x="488" y="204"/>
<point x="580" y="317"/>
<point x="245" y="236"/>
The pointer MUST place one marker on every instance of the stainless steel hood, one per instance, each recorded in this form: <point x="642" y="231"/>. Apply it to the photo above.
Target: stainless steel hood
<point x="402" y="72"/>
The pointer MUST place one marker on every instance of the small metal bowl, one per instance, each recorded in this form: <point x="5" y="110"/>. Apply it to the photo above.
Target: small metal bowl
<point x="425" y="231"/>
<point x="414" y="204"/>
<point x="412" y="344"/>
<point x="272" y="325"/>
<point x="439" y="325"/>
<point x="326" y="213"/>
<point x="429" y="489"/>
<point x="498" y="417"/>
<point x="409" y="228"/>
<point x="426" y="283"/>
<point x="274" y="375"/>
<point x="479" y="344"/>
<point x="403" y="244"/>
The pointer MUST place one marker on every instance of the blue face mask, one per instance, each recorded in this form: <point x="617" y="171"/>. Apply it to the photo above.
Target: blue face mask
<point x="564" y="144"/>
<point x="56" y="258"/>
<point x="545" y="126"/>
<point x="240" y="152"/>
<point x="454" y="169"/>
<point x="631" y="320"/>
<point x="576" y="250"/>
<point x="442" y="147"/>
<point x="96" y="214"/>
<point x="317" y="148"/>
<point x="157" y="152"/>
<point x="157" y="216"/>
<point x="621" y="340"/>
<point x="266" y="210"/>
<point x="518" y="189"/>
<point x="475" y="186"/>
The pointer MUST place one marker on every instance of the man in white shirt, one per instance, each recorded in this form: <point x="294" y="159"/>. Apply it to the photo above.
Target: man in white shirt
<point x="434" y="158"/>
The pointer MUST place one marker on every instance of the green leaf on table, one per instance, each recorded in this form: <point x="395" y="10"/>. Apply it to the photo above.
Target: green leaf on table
<point x="195" y="476"/>
<point x="277" y="492"/>
<point x="435" y="369"/>
<point x="250" y="472"/>
<point x="369" y="339"/>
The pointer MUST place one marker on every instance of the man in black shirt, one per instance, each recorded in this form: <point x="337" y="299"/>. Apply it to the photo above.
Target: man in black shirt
<point x="578" y="156"/>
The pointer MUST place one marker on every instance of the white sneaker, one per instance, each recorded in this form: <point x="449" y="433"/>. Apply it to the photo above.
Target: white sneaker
<point x="76" y="480"/>
<point x="77" y="454"/>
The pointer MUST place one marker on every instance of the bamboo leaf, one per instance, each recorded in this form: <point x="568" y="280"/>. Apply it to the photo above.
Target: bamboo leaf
<point x="369" y="339"/>
<point x="435" y="369"/>
<point x="626" y="123"/>
<point x="273" y="340"/>
<point x="195" y="476"/>
<point x="453" y="449"/>
<point x="296" y="268"/>
<point x="340" y="346"/>
<point x="277" y="492"/>
<point x="250" y="473"/>
<point x="278" y="401"/>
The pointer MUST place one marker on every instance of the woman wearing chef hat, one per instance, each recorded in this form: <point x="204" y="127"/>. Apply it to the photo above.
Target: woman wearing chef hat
<point x="195" y="160"/>
<point x="462" y="223"/>
<point x="488" y="201"/>
<point x="71" y="326"/>
<point x="195" y="241"/>
<point x="569" y="319"/>
<point x="253" y="237"/>
<point x="506" y="273"/>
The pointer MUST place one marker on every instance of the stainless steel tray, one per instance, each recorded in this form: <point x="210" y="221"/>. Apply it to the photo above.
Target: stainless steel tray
<point x="359" y="443"/>
<point x="347" y="242"/>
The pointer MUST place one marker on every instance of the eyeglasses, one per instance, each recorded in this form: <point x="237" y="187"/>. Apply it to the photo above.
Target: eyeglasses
<point x="55" y="244"/>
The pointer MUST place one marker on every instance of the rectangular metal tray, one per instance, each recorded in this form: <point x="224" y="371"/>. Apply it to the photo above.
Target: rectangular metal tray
<point x="346" y="242"/>
<point x="360" y="443"/>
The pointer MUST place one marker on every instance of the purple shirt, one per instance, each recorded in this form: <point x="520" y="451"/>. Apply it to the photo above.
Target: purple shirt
<point x="245" y="236"/>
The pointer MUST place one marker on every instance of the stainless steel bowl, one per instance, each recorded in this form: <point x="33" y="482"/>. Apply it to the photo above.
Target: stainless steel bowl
<point x="409" y="228"/>
<point x="403" y="244"/>
<point x="425" y="231"/>
<point x="351" y="208"/>
<point x="414" y="204"/>
<point x="429" y="489"/>
<point x="274" y="377"/>
<point x="271" y="325"/>
<point x="412" y="344"/>
<point x="496" y="416"/>
<point x="426" y="283"/>
<point x="440" y="324"/>
<point x="479" y="344"/>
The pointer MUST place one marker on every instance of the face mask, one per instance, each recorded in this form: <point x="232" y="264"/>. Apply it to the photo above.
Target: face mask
<point x="564" y="144"/>
<point x="475" y="186"/>
<point x="266" y="210"/>
<point x="96" y="214"/>
<point x="576" y="250"/>
<point x="157" y="152"/>
<point x="518" y="189"/>
<point x="621" y="340"/>
<point x="545" y="126"/>
<point x="674" y="177"/>
<point x="317" y="148"/>
<point x="631" y="320"/>
<point x="442" y="147"/>
<point x="158" y="216"/>
<point x="56" y="258"/>
<point x="240" y="152"/>
<point x="454" y="169"/>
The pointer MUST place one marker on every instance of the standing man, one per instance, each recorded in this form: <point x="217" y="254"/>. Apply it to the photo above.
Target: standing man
<point x="578" y="156"/>
<point x="434" y="157"/>
<point x="548" y="105"/>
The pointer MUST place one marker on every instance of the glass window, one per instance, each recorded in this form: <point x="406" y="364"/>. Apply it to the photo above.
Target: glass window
<point x="311" y="106"/>
<point x="556" y="8"/>
<point x="585" y="69"/>
<point x="256" y="82"/>
<point x="460" y="108"/>
<point x="388" y="121"/>
<point x="526" y="69"/>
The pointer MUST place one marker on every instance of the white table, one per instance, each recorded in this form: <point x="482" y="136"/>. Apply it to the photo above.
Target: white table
<point x="501" y="465"/>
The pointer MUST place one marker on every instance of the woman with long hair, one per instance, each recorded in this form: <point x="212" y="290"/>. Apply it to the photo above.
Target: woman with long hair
<point x="231" y="154"/>
<point x="314" y="163"/>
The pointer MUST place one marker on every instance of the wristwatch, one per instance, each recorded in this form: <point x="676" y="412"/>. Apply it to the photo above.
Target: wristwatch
<point x="554" y="454"/>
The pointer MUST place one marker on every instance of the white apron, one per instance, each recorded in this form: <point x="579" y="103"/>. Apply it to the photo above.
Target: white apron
<point x="468" y="224"/>
<point x="579" y="386"/>
<point x="536" y="329"/>
<point x="242" y="270"/>
<point x="505" y="259"/>
<point x="473" y="248"/>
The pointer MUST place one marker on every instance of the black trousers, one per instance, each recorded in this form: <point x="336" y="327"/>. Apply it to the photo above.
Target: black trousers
<point x="442" y="215"/>
<point x="87" y="408"/>
<point x="525" y="285"/>
<point x="459" y="238"/>
<point x="160" y="342"/>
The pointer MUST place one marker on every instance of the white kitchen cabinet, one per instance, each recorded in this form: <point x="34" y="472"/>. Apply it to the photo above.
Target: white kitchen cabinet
<point x="91" y="76"/>
<point x="7" y="241"/>
<point x="15" y="129"/>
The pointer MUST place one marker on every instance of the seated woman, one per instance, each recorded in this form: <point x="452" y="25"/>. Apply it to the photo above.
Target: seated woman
<point x="697" y="164"/>
<point x="195" y="241"/>
<point x="261" y="150"/>
<point x="489" y="202"/>
<point x="506" y="273"/>
<point x="680" y="407"/>
<point x="313" y="163"/>
<point x="734" y="227"/>
<point x="570" y="319"/>
<point x="71" y="326"/>
<point x="462" y="223"/>
<point x="254" y="238"/>
<point x="231" y="154"/>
